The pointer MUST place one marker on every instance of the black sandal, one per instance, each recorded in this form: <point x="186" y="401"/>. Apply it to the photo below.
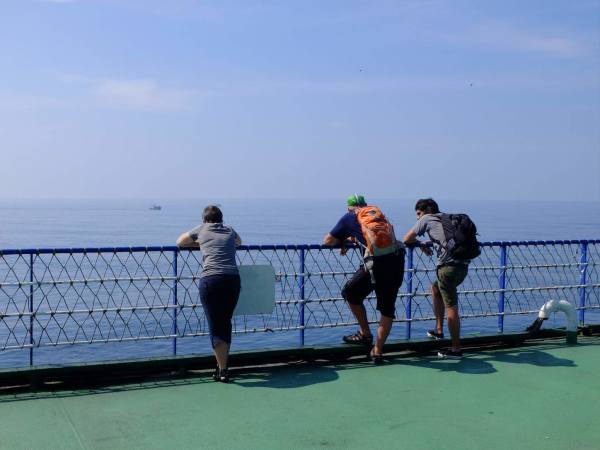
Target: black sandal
<point x="358" y="339"/>
<point x="224" y="376"/>
<point x="377" y="358"/>
<point x="221" y="375"/>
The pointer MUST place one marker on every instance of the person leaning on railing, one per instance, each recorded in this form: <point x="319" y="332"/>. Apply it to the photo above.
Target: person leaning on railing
<point x="450" y="272"/>
<point x="219" y="282"/>
<point x="382" y="270"/>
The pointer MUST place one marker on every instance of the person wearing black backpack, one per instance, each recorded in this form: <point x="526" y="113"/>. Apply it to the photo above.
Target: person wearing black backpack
<point x="454" y="240"/>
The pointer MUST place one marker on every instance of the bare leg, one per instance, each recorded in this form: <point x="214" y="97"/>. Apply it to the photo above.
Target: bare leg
<point x="438" y="309"/>
<point x="454" y="327"/>
<point x="221" y="351"/>
<point x="360" y="313"/>
<point x="383" y="331"/>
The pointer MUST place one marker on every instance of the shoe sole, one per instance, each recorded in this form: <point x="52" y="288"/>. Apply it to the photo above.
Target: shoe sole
<point x="433" y="336"/>
<point x="446" y="356"/>
<point x="364" y="343"/>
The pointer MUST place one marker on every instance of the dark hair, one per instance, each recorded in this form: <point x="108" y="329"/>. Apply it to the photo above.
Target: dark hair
<point x="427" y="205"/>
<point x="212" y="214"/>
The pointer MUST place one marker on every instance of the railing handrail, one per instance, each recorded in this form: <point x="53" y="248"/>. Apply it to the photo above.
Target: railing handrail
<point x="65" y="296"/>
<point x="135" y="249"/>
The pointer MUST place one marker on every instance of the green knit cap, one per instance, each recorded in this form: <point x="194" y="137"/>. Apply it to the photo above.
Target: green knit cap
<point x="356" y="200"/>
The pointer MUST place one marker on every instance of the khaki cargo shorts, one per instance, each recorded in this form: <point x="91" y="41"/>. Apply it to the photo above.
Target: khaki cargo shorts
<point x="449" y="277"/>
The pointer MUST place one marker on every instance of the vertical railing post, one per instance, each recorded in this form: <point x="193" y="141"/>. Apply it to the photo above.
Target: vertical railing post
<point x="301" y="287"/>
<point x="502" y="287"/>
<point x="582" y="281"/>
<point x="31" y="278"/>
<point x="175" y="302"/>
<point x="409" y="289"/>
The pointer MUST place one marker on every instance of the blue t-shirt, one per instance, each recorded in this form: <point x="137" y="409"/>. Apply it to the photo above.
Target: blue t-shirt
<point x="346" y="227"/>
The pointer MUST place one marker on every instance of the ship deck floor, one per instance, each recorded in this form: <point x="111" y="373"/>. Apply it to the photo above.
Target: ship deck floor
<point x="542" y="396"/>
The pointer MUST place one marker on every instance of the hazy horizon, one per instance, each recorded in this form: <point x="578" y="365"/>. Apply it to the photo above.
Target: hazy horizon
<point x="341" y="199"/>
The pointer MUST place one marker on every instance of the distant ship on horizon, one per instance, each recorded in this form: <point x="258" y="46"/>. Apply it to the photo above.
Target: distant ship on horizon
<point x="155" y="208"/>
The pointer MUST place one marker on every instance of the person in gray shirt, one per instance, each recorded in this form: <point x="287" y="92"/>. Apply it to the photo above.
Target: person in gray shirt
<point x="450" y="272"/>
<point x="219" y="281"/>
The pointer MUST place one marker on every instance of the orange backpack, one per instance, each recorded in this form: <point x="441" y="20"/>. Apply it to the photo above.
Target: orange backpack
<point x="377" y="231"/>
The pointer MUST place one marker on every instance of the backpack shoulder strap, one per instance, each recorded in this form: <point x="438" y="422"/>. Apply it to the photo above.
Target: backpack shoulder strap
<point x="447" y="225"/>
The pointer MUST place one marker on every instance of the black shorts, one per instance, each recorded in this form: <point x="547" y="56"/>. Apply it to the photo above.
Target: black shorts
<point x="389" y="272"/>
<point x="219" y="295"/>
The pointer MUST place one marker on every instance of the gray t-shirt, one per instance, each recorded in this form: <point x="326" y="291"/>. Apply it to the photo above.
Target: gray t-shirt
<point x="437" y="231"/>
<point x="217" y="243"/>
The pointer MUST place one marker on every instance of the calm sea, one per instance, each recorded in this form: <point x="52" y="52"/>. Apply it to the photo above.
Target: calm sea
<point x="77" y="223"/>
<point x="92" y="223"/>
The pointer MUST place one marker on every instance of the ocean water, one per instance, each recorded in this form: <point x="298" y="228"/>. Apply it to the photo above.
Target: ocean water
<point x="90" y="223"/>
<point x="96" y="223"/>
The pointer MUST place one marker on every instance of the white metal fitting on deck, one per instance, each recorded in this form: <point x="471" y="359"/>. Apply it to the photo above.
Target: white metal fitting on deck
<point x="553" y="306"/>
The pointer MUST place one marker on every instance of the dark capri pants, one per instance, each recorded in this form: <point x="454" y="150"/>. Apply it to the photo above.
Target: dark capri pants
<point x="219" y="294"/>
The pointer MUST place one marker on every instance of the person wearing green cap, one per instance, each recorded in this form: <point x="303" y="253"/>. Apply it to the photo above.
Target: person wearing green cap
<point x="355" y="200"/>
<point x="382" y="270"/>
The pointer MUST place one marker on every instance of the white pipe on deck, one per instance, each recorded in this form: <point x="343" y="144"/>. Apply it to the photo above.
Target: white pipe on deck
<point x="564" y="306"/>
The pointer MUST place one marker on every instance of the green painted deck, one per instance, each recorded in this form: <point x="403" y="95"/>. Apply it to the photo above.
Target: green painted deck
<point x="545" y="396"/>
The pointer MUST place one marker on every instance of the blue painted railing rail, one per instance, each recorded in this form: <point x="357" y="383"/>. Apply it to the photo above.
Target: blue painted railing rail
<point x="67" y="296"/>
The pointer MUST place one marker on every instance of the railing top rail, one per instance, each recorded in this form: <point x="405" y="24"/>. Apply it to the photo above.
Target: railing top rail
<point x="35" y="251"/>
<point x="555" y="242"/>
<point x="136" y="249"/>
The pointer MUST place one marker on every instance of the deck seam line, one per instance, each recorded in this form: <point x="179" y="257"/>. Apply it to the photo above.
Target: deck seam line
<point x="71" y="424"/>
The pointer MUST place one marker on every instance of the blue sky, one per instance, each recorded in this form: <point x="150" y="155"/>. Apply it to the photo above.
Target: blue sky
<point x="311" y="99"/>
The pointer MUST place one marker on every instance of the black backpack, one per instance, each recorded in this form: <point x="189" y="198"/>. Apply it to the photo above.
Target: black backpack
<point x="465" y="236"/>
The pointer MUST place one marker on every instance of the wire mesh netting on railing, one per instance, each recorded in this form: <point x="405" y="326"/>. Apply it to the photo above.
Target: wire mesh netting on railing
<point x="54" y="298"/>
